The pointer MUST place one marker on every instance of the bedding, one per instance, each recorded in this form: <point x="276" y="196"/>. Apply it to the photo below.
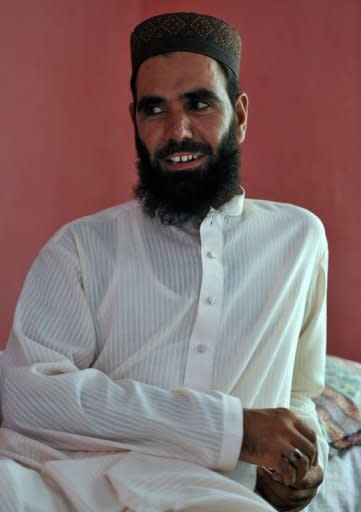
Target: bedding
<point x="339" y="406"/>
<point x="339" y="409"/>
<point x="341" y="489"/>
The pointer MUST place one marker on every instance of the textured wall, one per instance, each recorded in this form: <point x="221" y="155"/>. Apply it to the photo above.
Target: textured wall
<point x="66" y="142"/>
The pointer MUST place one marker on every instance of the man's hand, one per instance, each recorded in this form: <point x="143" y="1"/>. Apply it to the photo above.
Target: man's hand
<point x="283" y="497"/>
<point x="270" y="438"/>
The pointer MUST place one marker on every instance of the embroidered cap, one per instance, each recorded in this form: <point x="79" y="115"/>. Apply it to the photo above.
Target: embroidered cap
<point x="188" y="32"/>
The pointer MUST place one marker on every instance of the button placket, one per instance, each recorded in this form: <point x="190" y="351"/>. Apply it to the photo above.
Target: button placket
<point x="200" y="360"/>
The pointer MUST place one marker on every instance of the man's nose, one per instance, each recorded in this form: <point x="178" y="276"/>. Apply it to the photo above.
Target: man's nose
<point x="178" y="126"/>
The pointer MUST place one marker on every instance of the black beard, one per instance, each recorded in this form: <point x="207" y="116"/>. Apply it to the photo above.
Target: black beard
<point x="179" y="197"/>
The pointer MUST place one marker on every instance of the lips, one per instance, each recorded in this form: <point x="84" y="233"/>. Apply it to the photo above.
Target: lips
<point x="183" y="161"/>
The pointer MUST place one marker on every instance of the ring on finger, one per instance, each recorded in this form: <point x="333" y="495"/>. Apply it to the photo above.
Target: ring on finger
<point x="296" y="455"/>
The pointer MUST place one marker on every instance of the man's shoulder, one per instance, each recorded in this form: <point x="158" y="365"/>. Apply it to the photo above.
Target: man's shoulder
<point x="100" y="220"/>
<point x="108" y="215"/>
<point x="95" y="230"/>
<point x="293" y="220"/>
<point x="273" y="210"/>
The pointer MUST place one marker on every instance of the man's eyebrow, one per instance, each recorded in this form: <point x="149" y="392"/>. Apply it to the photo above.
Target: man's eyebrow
<point x="146" y="101"/>
<point x="201" y="94"/>
<point x="194" y="95"/>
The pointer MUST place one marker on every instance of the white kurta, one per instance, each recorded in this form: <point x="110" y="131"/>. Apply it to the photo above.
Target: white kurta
<point x="133" y="335"/>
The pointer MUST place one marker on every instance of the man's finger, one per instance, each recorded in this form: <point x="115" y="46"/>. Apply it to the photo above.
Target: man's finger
<point x="280" y="496"/>
<point x="312" y="480"/>
<point x="311" y="445"/>
<point x="288" y="472"/>
<point x="306" y="430"/>
<point x="305" y="447"/>
<point x="265" y="487"/>
<point x="300" y="462"/>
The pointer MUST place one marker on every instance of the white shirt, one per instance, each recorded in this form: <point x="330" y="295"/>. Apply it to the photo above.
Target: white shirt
<point x="137" y="335"/>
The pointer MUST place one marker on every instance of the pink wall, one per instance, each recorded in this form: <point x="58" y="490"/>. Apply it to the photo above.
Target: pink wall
<point x="66" y="142"/>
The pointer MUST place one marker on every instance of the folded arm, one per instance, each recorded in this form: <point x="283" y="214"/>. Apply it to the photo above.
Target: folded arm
<point x="51" y="392"/>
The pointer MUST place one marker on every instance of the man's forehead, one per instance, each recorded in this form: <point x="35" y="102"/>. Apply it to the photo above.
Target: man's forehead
<point x="180" y="72"/>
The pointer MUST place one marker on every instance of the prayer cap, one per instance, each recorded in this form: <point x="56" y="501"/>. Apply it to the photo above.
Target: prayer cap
<point x="186" y="32"/>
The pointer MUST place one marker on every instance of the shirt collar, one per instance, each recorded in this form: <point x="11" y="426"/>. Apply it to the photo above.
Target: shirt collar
<point x="234" y="207"/>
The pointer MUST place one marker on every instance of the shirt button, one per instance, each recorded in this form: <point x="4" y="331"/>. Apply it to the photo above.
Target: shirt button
<point x="211" y="255"/>
<point x="201" y="348"/>
<point x="211" y="300"/>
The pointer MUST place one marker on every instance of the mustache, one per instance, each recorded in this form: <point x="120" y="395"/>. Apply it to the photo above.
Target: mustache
<point x="184" y="146"/>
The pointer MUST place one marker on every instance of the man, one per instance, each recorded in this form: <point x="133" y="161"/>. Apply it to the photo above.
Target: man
<point x="164" y="352"/>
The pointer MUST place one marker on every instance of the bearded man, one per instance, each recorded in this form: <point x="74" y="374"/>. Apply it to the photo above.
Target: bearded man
<point x="164" y="352"/>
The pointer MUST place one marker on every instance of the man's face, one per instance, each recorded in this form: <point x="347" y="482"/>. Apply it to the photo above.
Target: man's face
<point x="186" y="128"/>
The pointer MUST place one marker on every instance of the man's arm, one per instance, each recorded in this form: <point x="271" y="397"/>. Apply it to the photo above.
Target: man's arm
<point x="309" y="371"/>
<point x="51" y="392"/>
<point x="308" y="382"/>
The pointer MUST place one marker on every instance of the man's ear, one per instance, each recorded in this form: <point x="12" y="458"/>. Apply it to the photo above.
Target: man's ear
<point x="132" y="111"/>
<point x="242" y="116"/>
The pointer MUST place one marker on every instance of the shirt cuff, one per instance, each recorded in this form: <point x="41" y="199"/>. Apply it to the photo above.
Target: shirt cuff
<point x="233" y="433"/>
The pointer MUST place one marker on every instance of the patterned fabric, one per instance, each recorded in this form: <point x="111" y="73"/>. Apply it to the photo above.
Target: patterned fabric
<point x="339" y="406"/>
<point x="186" y="31"/>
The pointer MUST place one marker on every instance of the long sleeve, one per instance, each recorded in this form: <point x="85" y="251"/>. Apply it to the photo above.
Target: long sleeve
<point x="309" y="371"/>
<point x="52" y="393"/>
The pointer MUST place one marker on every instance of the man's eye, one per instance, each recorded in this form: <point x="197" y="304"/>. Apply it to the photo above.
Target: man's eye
<point x="199" y="105"/>
<point x="153" y="110"/>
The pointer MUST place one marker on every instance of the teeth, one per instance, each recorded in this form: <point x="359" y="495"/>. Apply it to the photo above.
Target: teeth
<point x="183" y="158"/>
